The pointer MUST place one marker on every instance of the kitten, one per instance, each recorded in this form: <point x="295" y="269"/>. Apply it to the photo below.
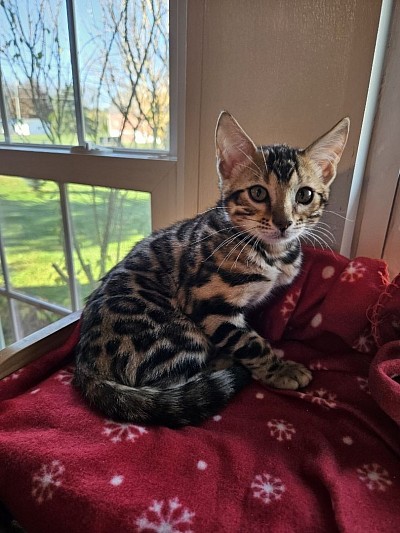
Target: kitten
<point x="164" y="338"/>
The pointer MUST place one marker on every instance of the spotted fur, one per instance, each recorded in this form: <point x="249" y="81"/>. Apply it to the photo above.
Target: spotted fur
<point x="164" y="338"/>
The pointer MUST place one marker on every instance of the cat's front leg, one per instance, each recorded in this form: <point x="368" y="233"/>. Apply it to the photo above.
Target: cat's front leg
<point x="257" y="355"/>
<point x="233" y="338"/>
<point x="278" y="373"/>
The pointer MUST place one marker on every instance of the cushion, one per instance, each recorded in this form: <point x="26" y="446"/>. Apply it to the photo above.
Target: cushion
<point x="319" y="459"/>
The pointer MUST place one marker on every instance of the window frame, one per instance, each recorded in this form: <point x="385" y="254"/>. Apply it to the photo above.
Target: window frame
<point x="381" y="176"/>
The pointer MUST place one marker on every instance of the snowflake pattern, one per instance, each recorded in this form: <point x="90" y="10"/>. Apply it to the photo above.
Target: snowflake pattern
<point x="65" y="376"/>
<point x="374" y="476"/>
<point x="166" y="517"/>
<point x="117" y="432"/>
<point x="46" y="480"/>
<point x="267" y="488"/>
<point x="321" y="397"/>
<point x="364" y="343"/>
<point x="117" y="480"/>
<point x="317" y="366"/>
<point x="281" y="430"/>
<point x="363" y="384"/>
<point x="353" y="272"/>
<point x="289" y="305"/>
<point x="13" y="376"/>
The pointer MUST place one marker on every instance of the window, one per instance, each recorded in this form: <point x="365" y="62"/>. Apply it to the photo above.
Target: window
<point x="87" y="146"/>
<point x="86" y="71"/>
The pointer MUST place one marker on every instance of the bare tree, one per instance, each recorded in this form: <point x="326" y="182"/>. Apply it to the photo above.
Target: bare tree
<point x="36" y="55"/>
<point x="131" y="64"/>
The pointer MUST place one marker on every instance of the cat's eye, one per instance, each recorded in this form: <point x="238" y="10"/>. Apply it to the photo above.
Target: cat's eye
<point x="257" y="193"/>
<point x="304" y="196"/>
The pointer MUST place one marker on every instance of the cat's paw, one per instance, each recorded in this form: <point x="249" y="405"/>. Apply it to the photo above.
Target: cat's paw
<point x="289" y="375"/>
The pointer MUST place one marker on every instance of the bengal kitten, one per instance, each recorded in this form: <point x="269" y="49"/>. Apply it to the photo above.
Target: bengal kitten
<point x="164" y="338"/>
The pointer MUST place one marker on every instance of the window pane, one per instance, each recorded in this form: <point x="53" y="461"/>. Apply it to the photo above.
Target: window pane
<point x="36" y="68"/>
<point x="123" y="56"/>
<point x="2" y="137"/>
<point x="1" y="274"/>
<point x="33" y="240"/>
<point x="106" y="224"/>
<point x="6" y="331"/>
<point x="32" y="319"/>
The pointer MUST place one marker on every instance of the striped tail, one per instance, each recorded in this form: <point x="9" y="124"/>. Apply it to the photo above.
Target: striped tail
<point x="201" y="397"/>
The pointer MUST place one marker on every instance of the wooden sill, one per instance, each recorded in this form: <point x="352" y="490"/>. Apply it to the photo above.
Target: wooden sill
<point x="33" y="346"/>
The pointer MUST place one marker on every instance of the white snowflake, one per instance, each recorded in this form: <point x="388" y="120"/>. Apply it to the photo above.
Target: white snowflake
<point x="281" y="430"/>
<point x="321" y="397"/>
<point x="289" y="304"/>
<point x="317" y="366"/>
<point x="65" y="376"/>
<point x="348" y="440"/>
<point x="166" y="517"/>
<point x="363" y="384"/>
<point x="121" y="431"/>
<point x="202" y="465"/>
<point x="13" y="376"/>
<point x="45" y="480"/>
<point x="316" y="321"/>
<point x="328" y="272"/>
<point x="353" y="272"/>
<point x="364" y="343"/>
<point x="117" y="480"/>
<point x="374" y="476"/>
<point x="267" y="488"/>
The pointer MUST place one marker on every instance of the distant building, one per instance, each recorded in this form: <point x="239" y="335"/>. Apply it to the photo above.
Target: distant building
<point x="28" y="126"/>
<point x="130" y="135"/>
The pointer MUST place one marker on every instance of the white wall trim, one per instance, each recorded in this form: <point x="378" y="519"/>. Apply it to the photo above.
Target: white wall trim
<point x="371" y="105"/>
<point x="383" y="164"/>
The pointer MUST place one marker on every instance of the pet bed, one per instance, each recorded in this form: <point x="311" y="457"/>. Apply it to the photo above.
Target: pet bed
<point x="322" y="459"/>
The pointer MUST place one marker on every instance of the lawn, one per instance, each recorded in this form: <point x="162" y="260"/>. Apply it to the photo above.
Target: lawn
<point x="106" y="223"/>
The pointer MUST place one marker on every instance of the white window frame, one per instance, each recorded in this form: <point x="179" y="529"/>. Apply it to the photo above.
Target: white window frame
<point x="376" y="173"/>
<point x="155" y="172"/>
<point x="383" y="163"/>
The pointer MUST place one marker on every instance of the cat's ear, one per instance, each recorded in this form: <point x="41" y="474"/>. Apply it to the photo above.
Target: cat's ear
<point x="327" y="150"/>
<point x="233" y="146"/>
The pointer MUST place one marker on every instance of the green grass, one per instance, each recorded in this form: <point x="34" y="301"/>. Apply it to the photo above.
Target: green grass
<point x="32" y="232"/>
<point x="72" y="140"/>
<point x="41" y="138"/>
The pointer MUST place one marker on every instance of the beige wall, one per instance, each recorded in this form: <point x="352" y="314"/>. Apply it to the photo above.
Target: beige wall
<point x="288" y="70"/>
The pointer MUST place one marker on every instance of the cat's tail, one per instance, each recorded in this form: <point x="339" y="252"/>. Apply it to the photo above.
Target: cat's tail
<point x="201" y="397"/>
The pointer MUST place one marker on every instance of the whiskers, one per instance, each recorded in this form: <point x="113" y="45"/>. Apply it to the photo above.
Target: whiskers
<point x="319" y="234"/>
<point x="224" y="207"/>
<point x="338" y="215"/>
<point x="241" y="235"/>
<point x="236" y="249"/>
<point x="246" y="240"/>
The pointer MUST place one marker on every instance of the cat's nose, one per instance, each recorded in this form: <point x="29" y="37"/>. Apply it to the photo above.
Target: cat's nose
<point x="283" y="225"/>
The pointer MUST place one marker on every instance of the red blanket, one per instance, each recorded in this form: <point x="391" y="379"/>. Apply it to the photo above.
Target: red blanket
<point x="322" y="459"/>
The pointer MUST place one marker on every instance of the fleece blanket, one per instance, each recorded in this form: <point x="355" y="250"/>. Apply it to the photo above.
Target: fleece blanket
<point x="322" y="459"/>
